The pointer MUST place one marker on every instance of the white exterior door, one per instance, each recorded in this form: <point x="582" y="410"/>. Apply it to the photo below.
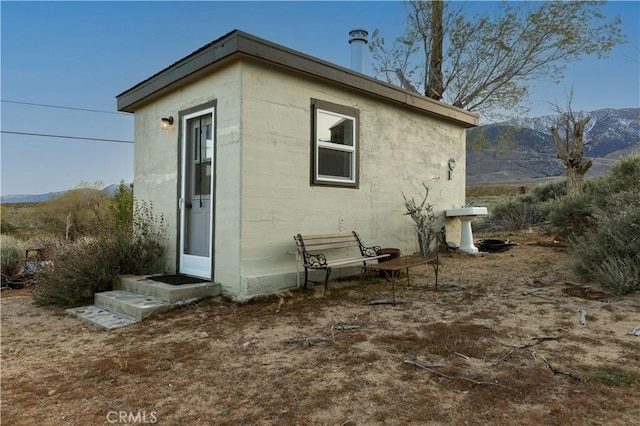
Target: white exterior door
<point x="197" y="194"/>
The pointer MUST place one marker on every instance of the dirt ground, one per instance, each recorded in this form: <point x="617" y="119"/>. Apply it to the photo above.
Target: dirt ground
<point x="500" y="342"/>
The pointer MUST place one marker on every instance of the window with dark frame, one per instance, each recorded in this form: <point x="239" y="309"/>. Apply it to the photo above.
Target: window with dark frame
<point x="334" y="144"/>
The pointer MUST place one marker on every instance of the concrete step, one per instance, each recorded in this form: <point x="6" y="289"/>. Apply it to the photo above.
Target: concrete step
<point x="100" y="317"/>
<point x="129" y="304"/>
<point x="136" y="298"/>
<point x="172" y="294"/>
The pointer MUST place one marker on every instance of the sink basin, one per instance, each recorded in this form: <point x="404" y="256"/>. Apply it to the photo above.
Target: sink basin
<point x="466" y="215"/>
<point x="466" y="211"/>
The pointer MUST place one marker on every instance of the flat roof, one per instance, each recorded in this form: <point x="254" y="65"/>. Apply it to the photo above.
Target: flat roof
<point x="238" y="44"/>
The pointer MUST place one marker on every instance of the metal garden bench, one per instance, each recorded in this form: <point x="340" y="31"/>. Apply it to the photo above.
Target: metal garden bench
<point x="314" y="250"/>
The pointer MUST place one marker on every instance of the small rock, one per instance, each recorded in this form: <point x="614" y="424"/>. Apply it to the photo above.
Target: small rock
<point x="203" y="335"/>
<point x="583" y="317"/>
<point x="634" y="332"/>
<point x="51" y="392"/>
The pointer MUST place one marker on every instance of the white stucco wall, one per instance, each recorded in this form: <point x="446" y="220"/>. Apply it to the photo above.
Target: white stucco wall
<point x="156" y="165"/>
<point x="400" y="149"/>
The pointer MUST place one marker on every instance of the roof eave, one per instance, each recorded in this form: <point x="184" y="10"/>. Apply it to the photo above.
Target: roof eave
<point x="212" y="53"/>
<point x="239" y="42"/>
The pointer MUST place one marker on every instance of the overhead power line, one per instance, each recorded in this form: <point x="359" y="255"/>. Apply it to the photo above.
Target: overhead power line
<point x="66" y="107"/>
<point x="65" y="137"/>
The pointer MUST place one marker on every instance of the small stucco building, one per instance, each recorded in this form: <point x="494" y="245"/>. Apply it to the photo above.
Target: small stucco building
<point x="245" y="143"/>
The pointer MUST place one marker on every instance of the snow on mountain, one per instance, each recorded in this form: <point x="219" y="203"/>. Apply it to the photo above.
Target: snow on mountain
<point x="530" y="152"/>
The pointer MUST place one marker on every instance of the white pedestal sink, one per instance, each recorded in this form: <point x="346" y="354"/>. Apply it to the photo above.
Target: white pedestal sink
<point x="466" y="215"/>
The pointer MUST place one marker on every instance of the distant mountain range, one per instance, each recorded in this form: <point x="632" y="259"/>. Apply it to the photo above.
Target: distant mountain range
<point x="36" y="198"/>
<point x="530" y="153"/>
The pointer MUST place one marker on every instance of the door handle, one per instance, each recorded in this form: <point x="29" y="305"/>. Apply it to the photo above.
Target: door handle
<point x="188" y="204"/>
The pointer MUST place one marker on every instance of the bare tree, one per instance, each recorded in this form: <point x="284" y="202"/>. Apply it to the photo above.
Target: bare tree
<point x="571" y="147"/>
<point x="483" y="63"/>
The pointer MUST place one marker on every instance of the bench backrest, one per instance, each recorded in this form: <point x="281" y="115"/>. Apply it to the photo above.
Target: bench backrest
<point x="314" y="243"/>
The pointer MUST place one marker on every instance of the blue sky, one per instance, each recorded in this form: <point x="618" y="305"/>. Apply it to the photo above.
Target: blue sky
<point x="82" y="54"/>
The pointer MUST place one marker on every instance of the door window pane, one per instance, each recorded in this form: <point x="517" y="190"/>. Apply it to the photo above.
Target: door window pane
<point x="202" y="179"/>
<point x="203" y="142"/>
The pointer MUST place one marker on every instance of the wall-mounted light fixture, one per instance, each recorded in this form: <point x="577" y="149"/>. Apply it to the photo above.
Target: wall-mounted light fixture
<point x="166" y="122"/>
<point x="452" y="165"/>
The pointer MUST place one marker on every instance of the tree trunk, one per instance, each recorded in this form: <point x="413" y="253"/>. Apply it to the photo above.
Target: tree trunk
<point x="66" y="234"/>
<point x="435" y="85"/>
<point x="571" y="154"/>
<point x="575" y="181"/>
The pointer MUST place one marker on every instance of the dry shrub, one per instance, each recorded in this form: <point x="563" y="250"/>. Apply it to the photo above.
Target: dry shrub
<point x="603" y="226"/>
<point x="91" y="265"/>
<point x="610" y="252"/>
<point x="11" y="256"/>
<point x="572" y="216"/>
<point x="524" y="211"/>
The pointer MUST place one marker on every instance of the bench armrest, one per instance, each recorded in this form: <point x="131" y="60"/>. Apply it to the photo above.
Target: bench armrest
<point x="370" y="251"/>
<point x="315" y="260"/>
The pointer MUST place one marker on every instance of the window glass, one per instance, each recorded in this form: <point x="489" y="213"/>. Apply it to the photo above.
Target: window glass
<point x="334" y="145"/>
<point x="335" y="164"/>
<point x="335" y="129"/>
<point x="205" y="150"/>
<point x="202" y="179"/>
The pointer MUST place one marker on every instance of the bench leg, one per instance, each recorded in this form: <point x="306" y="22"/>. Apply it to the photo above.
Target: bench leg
<point x="391" y="276"/>
<point x="306" y="277"/>
<point x="326" y="280"/>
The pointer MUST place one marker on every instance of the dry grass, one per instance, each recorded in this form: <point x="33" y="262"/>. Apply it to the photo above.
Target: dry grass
<point x="220" y="363"/>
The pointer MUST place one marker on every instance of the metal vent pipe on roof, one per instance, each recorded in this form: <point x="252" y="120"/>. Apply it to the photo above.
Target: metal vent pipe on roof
<point x="358" y="41"/>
